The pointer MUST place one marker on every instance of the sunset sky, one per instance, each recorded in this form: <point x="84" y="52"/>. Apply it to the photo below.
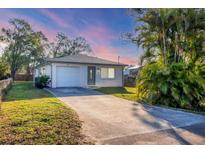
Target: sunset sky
<point x="102" y="28"/>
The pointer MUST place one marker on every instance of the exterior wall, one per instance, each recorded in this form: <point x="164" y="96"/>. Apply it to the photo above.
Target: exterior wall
<point x="39" y="71"/>
<point x="36" y="73"/>
<point x="116" y="82"/>
<point x="50" y="70"/>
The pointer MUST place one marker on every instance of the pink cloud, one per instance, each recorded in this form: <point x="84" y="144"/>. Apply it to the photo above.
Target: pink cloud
<point x="129" y="61"/>
<point x="54" y="17"/>
<point x="49" y="33"/>
<point x="37" y="26"/>
<point x="112" y="54"/>
<point x="100" y="37"/>
<point x="94" y="34"/>
<point x="3" y="24"/>
<point x="98" y="34"/>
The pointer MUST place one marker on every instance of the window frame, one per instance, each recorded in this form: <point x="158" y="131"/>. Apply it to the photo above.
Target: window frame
<point x="107" y="78"/>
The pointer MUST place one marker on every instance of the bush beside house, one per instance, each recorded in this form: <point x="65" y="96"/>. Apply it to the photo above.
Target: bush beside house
<point x="4" y="86"/>
<point x="42" y="81"/>
<point x="4" y="71"/>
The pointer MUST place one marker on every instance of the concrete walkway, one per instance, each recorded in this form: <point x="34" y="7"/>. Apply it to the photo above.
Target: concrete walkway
<point x="111" y="120"/>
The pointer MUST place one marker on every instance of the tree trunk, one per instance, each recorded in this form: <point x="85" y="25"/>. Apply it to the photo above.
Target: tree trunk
<point x="13" y="73"/>
<point x="28" y="72"/>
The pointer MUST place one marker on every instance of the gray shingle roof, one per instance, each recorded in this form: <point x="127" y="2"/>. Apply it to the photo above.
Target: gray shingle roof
<point x="83" y="59"/>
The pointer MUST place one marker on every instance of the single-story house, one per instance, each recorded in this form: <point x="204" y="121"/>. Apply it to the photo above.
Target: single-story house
<point x="81" y="71"/>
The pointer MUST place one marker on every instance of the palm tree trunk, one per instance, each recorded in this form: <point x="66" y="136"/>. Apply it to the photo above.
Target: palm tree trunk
<point x="164" y="46"/>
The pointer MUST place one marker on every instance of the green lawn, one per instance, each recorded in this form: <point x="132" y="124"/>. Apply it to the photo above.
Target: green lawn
<point x="34" y="116"/>
<point x="128" y="93"/>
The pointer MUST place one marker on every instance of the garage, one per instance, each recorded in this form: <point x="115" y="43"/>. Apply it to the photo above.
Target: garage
<point x="67" y="76"/>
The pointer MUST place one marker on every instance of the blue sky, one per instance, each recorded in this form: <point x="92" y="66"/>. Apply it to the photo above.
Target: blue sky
<point x="102" y="28"/>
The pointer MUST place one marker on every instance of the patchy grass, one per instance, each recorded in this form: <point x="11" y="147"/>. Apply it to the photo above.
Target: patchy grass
<point x="128" y="93"/>
<point x="34" y="116"/>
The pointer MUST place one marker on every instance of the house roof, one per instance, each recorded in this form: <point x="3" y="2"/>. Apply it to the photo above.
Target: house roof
<point x="134" y="67"/>
<point x="83" y="59"/>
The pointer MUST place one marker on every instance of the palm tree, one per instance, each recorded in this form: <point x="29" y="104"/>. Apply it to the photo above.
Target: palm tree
<point x="174" y="41"/>
<point x="172" y="35"/>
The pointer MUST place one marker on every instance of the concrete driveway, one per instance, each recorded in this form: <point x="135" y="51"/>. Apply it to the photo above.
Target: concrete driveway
<point x="111" y="120"/>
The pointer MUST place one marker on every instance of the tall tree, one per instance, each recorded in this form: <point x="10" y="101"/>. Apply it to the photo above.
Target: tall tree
<point x="63" y="46"/>
<point x="174" y="45"/>
<point x="38" y="51"/>
<point x="80" y="45"/>
<point x="170" y="34"/>
<point x="24" y="45"/>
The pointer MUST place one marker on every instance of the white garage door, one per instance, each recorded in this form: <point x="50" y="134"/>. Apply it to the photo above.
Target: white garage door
<point x="68" y="76"/>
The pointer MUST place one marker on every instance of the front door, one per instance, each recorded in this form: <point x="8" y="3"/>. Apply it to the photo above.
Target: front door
<point x="91" y="75"/>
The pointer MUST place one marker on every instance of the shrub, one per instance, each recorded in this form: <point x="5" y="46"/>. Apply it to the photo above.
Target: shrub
<point x="42" y="81"/>
<point x="3" y="70"/>
<point x="176" y="85"/>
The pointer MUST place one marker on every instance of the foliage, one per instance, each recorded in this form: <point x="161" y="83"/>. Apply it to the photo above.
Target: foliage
<point x="176" y="85"/>
<point x="172" y="35"/>
<point x="26" y="48"/>
<point x="63" y="46"/>
<point x="174" y="58"/>
<point x="42" y="81"/>
<point x="34" y="116"/>
<point x="4" y="70"/>
<point x="24" y="45"/>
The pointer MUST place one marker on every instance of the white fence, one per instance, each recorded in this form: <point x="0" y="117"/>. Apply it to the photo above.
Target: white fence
<point x="4" y="84"/>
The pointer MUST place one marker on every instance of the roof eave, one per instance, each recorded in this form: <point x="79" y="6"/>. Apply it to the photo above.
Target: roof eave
<point x="56" y="61"/>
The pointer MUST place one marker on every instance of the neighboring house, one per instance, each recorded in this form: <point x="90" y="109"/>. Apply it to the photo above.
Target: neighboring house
<point x="132" y="71"/>
<point x="130" y="75"/>
<point x="81" y="71"/>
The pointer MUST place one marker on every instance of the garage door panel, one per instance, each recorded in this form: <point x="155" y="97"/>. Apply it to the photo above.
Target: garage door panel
<point x="68" y="76"/>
